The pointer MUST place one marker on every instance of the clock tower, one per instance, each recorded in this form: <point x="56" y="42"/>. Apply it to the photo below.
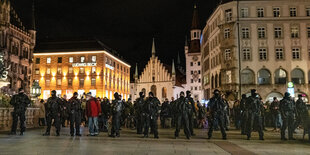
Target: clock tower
<point x="193" y="59"/>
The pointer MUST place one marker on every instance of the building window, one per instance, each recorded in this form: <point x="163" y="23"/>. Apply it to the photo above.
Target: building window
<point x="81" y="82"/>
<point x="244" y="12"/>
<point x="82" y="59"/>
<point x="262" y="54"/>
<point x="70" y="59"/>
<point x="246" y="54"/>
<point x="192" y="80"/>
<point x="192" y="64"/>
<point x="296" y="53"/>
<point x="93" y="81"/>
<point x="278" y="32"/>
<point x="47" y="82"/>
<point x="276" y="12"/>
<point x="70" y="70"/>
<point x="260" y="12"/>
<point x="37" y="60"/>
<point x="58" y="82"/>
<point x="191" y="87"/>
<point x="82" y="70"/>
<point x="59" y="59"/>
<point x="308" y="11"/>
<point x="59" y="70"/>
<point x="294" y="32"/>
<point x="192" y="72"/>
<point x="308" y="31"/>
<point x="37" y="71"/>
<point x="48" y="70"/>
<point x="93" y="58"/>
<point x="245" y="33"/>
<point x="199" y="80"/>
<point x="93" y="70"/>
<point x="199" y="72"/>
<point x="279" y="54"/>
<point x="228" y="15"/>
<point x="293" y="12"/>
<point x="48" y="60"/>
<point x="198" y="63"/>
<point x="261" y="32"/>
<point x="69" y="82"/>
<point x="226" y="33"/>
<point x="227" y="54"/>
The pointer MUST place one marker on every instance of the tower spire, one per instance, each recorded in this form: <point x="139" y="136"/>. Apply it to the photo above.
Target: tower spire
<point x="33" y="24"/>
<point x="153" y="48"/>
<point x="179" y="59"/>
<point x="136" y="73"/>
<point x="173" y="67"/>
<point x="195" y="20"/>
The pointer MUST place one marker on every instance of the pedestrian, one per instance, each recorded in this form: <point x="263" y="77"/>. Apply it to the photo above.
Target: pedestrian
<point x="42" y="113"/>
<point x="106" y="112"/>
<point x="53" y="110"/>
<point x="254" y="107"/>
<point x="150" y="112"/>
<point x="65" y="113"/>
<point x="191" y="112"/>
<point x="93" y="110"/>
<point x="20" y="102"/>
<point x="216" y="109"/>
<point x="117" y="109"/>
<point x="244" y="114"/>
<point x="173" y="112"/>
<point x="276" y="115"/>
<point x="288" y="111"/>
<point x="75" y="109"/>
<point x="138" y="113"/>
<point x="226" y="113"/>
<point x="237" y="114"/>
<point x="182" y="116"/>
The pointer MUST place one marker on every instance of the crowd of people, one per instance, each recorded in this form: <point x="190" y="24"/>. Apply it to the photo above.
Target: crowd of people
<point x="248" y="115"/>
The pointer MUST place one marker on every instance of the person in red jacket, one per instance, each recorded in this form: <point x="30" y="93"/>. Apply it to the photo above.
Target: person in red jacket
<point x="93" y="111"/>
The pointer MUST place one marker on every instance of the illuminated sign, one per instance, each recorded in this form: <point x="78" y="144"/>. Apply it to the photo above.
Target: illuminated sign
<point x="83" y="64"/>
<point x="290" y="85"/>
<point x="291" y="91"/>
<point x="109" y="66"/>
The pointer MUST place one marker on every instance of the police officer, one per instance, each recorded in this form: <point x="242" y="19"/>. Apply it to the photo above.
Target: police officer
<point x="182" y="116"/>
<point x="150" y="112"/>
<point x="65" y="113"/>
<point x="254" y="107"/>
<point x="244" y="114"/>
<point x="53" y="110"/>
<point x="138" y="112"/>
<point x="75" y="109"/>
<point x="216" y="109"/>
<point x="20" y="103"/>
<point x="173" y="112"/>
<point x="287" y="109"/>
<point x="301" y="110"/>
<point x="191" y="112"/>
<point x="117" y="109"/>
<point x="106" y="111"/>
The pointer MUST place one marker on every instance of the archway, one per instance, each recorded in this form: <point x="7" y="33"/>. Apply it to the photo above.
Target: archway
<point x="298" y="76"/>
<point x="164" y="92"/>
<point x="271" y="95"/>
<point x="264" y="77"/>
<point x="216" y="81"/>
<point x="247" y="76"/>
<point x="280" y="76"/>
<point x="153" y="90"/>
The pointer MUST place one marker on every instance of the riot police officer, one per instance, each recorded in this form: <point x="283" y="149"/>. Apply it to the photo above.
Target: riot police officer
<point x="117" y="109"/>
<point x="53" y="111"/>
<point x="150" y="113"/>
<point x="287" y="109"/>
<point x="182" y="116"/>
<point x="244" y="114"/>
<point x="20" y="103"/>
<point x="216" y="109"/>
<point x="138" y="111"/>
<point x="191" y="111"/>
<point x="301" y="112"/>
<point x="75" y="109"/>
<point x="254" y="107"/>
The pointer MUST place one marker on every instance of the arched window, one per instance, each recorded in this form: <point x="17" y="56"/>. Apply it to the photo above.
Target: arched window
<point x="264" y="77"/>
<point x="247" y="77"/>
<point x="298" y="76"/>
<point x="212" y="82"/>
<point x="280" y="76"/>
<point x="220" y="79"/>
<point x="153" y="90"/>
<point x="164" y="92"/>
<point x="216" y="80"/>
<point x="271" y="95"/>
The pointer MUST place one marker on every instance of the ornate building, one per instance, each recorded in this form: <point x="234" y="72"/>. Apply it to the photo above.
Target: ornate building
<point x="257" y="44"/>
<point x="17" y="45"/>
<point x="161" y="79"/>
<point x="193" y="59"/>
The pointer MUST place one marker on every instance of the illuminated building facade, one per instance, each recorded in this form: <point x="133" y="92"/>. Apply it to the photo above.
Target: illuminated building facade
<point x="80" y="66"/>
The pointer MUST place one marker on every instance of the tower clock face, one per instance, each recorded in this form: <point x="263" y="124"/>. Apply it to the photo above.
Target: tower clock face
<point x="195" y="58"/>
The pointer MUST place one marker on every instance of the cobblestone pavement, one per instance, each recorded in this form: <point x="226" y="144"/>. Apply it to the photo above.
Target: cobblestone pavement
<point x="129" y="143"/>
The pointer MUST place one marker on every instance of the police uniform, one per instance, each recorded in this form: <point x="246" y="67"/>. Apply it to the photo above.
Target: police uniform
<point x="183" y="108"/>
<point x="20" y="103"/>
<point x="117" y="108"/>
<point x="254" y="108"/>
<point x="150" y="113"/>
<point x="138" y="112"/>
<point x="287" y="109"/>
<point x="53" y="110"/>
<point x="75" y="109"/>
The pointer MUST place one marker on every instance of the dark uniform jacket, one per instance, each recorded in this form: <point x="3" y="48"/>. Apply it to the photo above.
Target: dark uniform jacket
<point x="287" y="107"/>
<point x="53" y="106"/>
<point x="151" y="107"/>
<point x="20" y="102"/>
<point x="254" y="105"/>
<point x="183" y="106"/>
<point x="74" y="106"/>
<point x="216" y="106"/>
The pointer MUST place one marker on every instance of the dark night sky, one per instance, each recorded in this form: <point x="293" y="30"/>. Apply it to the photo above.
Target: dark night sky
<point x="127" y="26"/>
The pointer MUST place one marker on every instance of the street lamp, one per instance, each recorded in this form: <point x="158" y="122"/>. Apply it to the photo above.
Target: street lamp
<point x="35" y="89"/>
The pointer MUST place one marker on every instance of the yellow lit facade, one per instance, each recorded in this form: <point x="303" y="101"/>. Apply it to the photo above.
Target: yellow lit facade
<point x="98" y="72"/>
